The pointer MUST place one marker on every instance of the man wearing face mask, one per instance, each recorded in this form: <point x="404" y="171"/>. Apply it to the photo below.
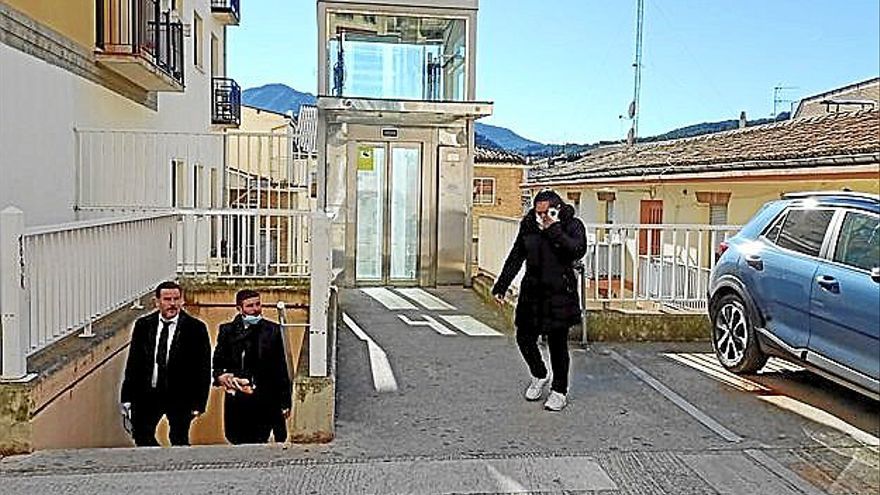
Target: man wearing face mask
<point x="250" y="365"/>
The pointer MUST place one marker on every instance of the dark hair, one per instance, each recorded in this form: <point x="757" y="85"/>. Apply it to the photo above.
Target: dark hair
<point x="166" y="285"/>
<point x="244" y="294"/>
<point x="547" y="195"/>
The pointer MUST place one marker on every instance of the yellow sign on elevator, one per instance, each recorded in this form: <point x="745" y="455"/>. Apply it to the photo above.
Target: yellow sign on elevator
<point x="365" y="158"/>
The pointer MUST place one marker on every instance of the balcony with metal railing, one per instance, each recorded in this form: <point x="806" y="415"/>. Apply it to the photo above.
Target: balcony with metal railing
<point x="141" y="42"/>
<point x="227" y="11"/>
<point x="225" y="102"/>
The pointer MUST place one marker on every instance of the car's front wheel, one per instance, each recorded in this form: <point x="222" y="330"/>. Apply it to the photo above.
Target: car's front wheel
<point x="733" y="336"/>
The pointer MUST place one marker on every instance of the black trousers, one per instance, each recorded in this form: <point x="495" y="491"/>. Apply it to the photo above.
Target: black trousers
<point x="557" y="342"/>
<point x="145" y="416"/>
<point x="248" y="418"/>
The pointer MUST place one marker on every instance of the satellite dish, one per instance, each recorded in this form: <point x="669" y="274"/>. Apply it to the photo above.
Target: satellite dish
<point x="631" y="136"/>
<point x="632" y="109"/>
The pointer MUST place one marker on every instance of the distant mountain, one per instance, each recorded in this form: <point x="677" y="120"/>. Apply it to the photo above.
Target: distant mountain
<point x="282" y="98"/>
<point x="504" y="138"/>
<point x="277" y="98"/>
<point x="483" y="142"/>
<point x="709" y="128"/>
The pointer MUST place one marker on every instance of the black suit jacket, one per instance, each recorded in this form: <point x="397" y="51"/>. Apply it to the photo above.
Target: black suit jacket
<point x="189" y="363"/>
<point x="264" y="362"/>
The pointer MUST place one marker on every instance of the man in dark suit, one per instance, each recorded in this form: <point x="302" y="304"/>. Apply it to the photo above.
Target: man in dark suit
<point x="250" y="365"/>
<point x="168" y="371"/>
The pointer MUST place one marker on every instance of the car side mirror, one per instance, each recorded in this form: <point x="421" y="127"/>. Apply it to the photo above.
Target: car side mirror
<point x="875" y="274"/>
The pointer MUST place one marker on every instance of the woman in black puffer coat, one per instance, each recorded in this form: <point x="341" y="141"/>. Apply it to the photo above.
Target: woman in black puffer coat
<point x="550" y="241"/>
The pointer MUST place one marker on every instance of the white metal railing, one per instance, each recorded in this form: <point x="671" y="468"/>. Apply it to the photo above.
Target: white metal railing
<point x="496" y="238"/>
<point x="142" y="170"/>
<point x="667" y="265"/>
<point x="69" y="274"/>
<point x="244" y="243"/>
<point x="124" y="170"/>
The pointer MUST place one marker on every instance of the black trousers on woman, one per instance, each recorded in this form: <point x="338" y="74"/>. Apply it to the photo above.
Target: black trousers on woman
<point x="557" y="342"/>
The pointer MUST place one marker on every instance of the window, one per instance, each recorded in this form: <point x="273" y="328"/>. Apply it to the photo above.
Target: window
<point x="215" y="189"/>
<point x="178" y="183"/>
<point x="198" y="170"/>
<point x="858" y="244"/>
<point x="484" y="191"/>
<point x="526" y="200"/>
<point x="399" y="57"/>
<point x="197" y="40"/>
<point x="718" y="214"/>
<point x="215" y="56"/>
<point x="804" y="230"/>
<point x="609" y="211"/>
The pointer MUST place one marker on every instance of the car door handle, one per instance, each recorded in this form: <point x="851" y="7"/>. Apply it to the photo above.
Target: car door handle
<point x="755" y="261"/>
<point x="828" y="283"/>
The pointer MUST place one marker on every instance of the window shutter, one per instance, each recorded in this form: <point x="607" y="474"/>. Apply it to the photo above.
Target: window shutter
<point x="718" y="214"/>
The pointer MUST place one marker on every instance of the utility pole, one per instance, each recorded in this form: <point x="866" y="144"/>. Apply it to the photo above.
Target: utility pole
<point x="637" y="83"/>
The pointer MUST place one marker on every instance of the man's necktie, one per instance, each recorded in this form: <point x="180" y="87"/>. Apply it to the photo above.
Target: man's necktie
<point x="162" y="357"/>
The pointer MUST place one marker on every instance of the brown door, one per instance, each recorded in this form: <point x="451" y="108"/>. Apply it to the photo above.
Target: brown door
<point x="650" y="212"/>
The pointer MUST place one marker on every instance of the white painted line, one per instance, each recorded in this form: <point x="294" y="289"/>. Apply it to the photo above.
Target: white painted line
<point x="470" y="325"/>
<point x="426" y="299"/>
<point x="388" y="299"/>
<point x="822" y="417"/>
<point x="777" y="365"/>
<point x="677" y="399"/>
<point x="383" y="375"/>
<point x="716" y="373"/>
<point x="709" y="365"/>
<point x="430" y="322"/>
<point x="506" y="484"/>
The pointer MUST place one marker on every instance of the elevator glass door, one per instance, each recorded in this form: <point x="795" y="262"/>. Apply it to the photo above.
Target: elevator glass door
<point x="388" y="207"/>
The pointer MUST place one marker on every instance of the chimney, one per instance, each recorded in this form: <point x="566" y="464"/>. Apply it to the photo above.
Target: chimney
<point x="742" y="119"/>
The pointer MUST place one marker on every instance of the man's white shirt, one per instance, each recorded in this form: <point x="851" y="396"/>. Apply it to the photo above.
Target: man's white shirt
<point x="171" y="329"/>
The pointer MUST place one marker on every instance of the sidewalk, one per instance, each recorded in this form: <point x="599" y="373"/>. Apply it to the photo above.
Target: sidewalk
<point x="455" y="422"/>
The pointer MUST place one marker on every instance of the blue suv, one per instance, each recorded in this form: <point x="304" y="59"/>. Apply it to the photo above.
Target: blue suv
<point x="802" y="281"/>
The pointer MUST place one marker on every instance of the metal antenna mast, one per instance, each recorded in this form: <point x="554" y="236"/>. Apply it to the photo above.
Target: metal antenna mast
<point x="777" y="99"/>
<point x="637" y="84"/>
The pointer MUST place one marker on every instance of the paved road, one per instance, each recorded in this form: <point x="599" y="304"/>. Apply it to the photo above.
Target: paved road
<point x="436" y="407"/>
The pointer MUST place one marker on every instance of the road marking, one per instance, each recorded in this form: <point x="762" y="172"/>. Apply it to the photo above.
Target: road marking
<point x="716" y="371"/>
<point x="383" y="375"/>
<point x="388" y="299"/>
<point x="707" y="363"/>
<point x="822" y="417"/>
<point x="430" y="322"/>
<point x="426" y="299"/>
<point x="677" y="399"/>
<point x="506" y="484"/>
<point x="470" y="325"/>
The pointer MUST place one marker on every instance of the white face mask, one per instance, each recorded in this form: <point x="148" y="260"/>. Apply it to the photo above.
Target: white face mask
<point x="251" y="319"/>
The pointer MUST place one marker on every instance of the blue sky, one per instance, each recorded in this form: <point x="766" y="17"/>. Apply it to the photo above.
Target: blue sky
<point x="561" y="70"/>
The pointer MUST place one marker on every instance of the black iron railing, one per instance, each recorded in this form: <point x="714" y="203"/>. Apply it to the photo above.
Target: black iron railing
<point x="139" y="27"/>
<point x="226" y="96"/>
<point x="231" y="6"/>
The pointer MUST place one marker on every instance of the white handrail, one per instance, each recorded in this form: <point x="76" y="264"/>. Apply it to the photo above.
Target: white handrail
<point x="652" y="265"/>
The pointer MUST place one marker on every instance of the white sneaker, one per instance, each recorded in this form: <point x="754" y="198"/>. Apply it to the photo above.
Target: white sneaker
<point x="536" y="388"/>
<point x="555" y="402"/>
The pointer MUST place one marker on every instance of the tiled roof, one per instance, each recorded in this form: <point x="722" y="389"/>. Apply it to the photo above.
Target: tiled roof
<point x="805" y="142"/>
<point x="489" y="155"/>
